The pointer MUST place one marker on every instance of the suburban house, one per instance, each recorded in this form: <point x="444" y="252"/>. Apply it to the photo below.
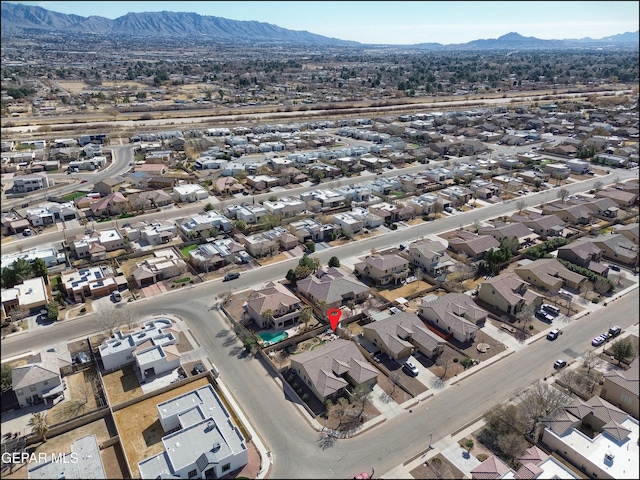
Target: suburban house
<point x="151" y="347"/>
<point x="383" y="269"/>
<point x="508" y="293"/>
<point x="471" y="244"/>
<point x="431" y="256"/>
<point x="455" y="314"/>
<point x="543" y="225"/>
<point x="310" y="229"/>
<point x="584" y="253"/>
<point x="534" y="463"/>
<point x="165" y="263"/>
<point x="630" y="231"/>
<point x="48" y="254"/>
<point x="266" y="243"/>
<point x="150" y="199"/>
<point x="618" y="248"/>
<point x="273" y="306"/>
<point x="334" y="287"/>
<point x="96" y="244"/>
<point x="549" y="274"/>
<point x="611" y="451"/>
<point x="111" y="204"/>
<point x="142" y="235"/>
<point x="621" y="388"/>
<point x="399" y="335"/>
<point x="50" y="212"/>
<point x="331" y="369"/>
<point x="88" y="465"/>
<point x="622" y="198"/>
<point x="518" y="230"/>
<point x="29" y="183"/>
<point x="88" y="282"/>
<point x="209" y="256"/>
<point x="108" y="185"/>
<point x="27" y="297"/>
<point x="285" y="207"/>
<point x="228" y="186"/>
<point x="39" y="379"/>
<point x="203" y="223"/>
<point x="189" y="192"/>
<point x="201" y="439"/>
<point x="573" y="214"/>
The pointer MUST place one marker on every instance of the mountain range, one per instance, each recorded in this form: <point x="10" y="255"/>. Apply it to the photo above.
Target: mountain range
<point x="19" y="19"/>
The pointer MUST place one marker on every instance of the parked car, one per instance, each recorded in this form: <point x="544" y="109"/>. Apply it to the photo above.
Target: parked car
<point x="230" y="276"/>
<point x="553" y="334"/>
<point x="27" y="232"/>
<point x="117" y="296"/>
<point x="555" y="311"/>
<point x="615" y="268"/>
<point x="560" y="363"/>
<point x="614" y="331"/>
<point x="198" y="368"/>
<point x="544" y="316"/>
<point x="599" y="340"/>
<point x="410" y="369"/>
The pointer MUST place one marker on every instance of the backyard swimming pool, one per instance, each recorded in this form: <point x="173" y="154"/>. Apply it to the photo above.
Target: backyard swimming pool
<point x="270" y="338"/>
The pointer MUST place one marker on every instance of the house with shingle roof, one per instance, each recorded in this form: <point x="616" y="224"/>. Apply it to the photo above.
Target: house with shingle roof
<point x="572" y="214"/>
<point x="334" y="287"/>
<point x="622" y="198"/>
<point x="500" y="231"/>
<point x="284" y="306"/>
<point x="549" y="274"/>
<point x="39" y="379"/>
<point x="618" y="248"/>
<point x="508" y="293"/>
<point x="471" y="244"/>
<point x="543" y="225"/>
<point x="111" y="204"/>
<point x="584" y="253"/>
<point x="454" y="313"/>
<point x="332" y="368"/>
<point x="621" y="388"/>
<point x="399" y="335"/>
<point x="383" y="269"/>
<point x="611" y="449"/>
<point x="431" y="256"/>
<point x="630" y="231"/>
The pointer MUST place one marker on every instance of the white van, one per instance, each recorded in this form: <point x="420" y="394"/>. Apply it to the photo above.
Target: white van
<point x="551" y="309"/>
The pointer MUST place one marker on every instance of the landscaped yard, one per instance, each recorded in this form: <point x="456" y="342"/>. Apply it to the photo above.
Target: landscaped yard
<point x="185" y="251"/>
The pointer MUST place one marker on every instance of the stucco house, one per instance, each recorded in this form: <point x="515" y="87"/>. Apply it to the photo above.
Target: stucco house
<point x="330" y="369"/>
<point x="283" y="305"/>
<point x="431" y="256"/>
<point x="549" y="274"/>
<point x="383" y="269"/>
<point x="334" y="287"/>
<point x="621" y="388"/>
<point x="399" y="335"/>
<point x="201" y="441"/>
<point x="508" y="293"/>
<point x="39" y="379"/>
<point x="455" y="314"/>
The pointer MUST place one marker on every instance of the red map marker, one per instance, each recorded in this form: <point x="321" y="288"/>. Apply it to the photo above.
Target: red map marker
<point x="334" y="315"/>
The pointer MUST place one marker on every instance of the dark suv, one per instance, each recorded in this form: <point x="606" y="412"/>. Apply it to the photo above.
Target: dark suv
<point x="230" y="276"/>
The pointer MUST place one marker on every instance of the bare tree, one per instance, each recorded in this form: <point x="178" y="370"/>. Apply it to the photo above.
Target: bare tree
<point x="590" y="360"/>
<point x="520" y="204"/>
<point x="540" y="402"/>
<point x="598" y="185"/>
<point x="572" y="380"/>
<point x="511" y="445"/>
<point x="326" y="439"/>
<point x="563" y="194"/>
<point x="110" y="318"/>
<point x="601" y="286"/>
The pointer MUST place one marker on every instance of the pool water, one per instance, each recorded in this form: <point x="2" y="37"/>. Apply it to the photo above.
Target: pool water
<point x="271" y="338"/>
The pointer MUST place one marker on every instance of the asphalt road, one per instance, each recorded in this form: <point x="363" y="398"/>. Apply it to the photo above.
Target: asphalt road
<point x="287" y="433"/>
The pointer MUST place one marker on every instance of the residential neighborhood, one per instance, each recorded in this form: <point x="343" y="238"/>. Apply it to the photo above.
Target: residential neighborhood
<point x="168" y="287"/>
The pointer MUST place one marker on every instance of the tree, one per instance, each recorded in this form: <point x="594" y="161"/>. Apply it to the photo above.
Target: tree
<point x="240" y="225"/>
<point x="623" y="349"/>
<point x="520" y="204"/>
<point x="306" y="314"/>
<point x="591" y="360"/>
<point x="39" y="425"/>
<point x="208" y="207"/>
<point x="7" y="377"/>
<point x="302" y="271"/>
<point x="468" y="444"/>
<point x="334" y="262"/>
<point x="598" y="185"/>
<point x="540" y="402"/>
<point x="322" y="306"/>
<point x="563" y="194"/>
<point x="22" y="269"/>
<point x="267" y="315"/>
<point x="110" y="318"/>
<point x="291" y="276"/>
<point x="310" y="246"/>
<point x="601" y="286"/>
<point x="52" y="311"/>
<point x="39" y="269"/>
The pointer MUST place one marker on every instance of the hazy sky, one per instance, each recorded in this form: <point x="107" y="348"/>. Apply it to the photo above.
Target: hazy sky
<point x="400" y="23"/>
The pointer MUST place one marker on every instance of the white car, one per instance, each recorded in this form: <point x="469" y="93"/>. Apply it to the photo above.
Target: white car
<point x="410" y="369"/>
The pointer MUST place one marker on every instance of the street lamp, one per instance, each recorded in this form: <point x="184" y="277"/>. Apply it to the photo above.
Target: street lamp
<point x="430" y="438"/>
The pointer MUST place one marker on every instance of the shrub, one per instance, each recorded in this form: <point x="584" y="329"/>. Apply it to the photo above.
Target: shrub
<point x="595" y="300"/>
<point x="530" y="327"/>
<point x="482" y="457"/>
<point x="83" y="310"/>
<point x="305" y="397"/>
<point x="455" y="360"/>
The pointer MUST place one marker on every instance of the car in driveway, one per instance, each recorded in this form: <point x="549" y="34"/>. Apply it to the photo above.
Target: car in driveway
<point x="560" y="363"/>
<point x="410" y="369"/>
<point x="27" y="232"/>
<point x="544" y="316"/>
<point x="599" y="340"/>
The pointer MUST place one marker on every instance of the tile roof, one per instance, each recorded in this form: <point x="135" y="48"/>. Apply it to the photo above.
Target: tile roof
<point x="409" y="323"/>
<point x="331" y="286"/>
<point x="458" y="311"/>
<point x="271" y="298"/>
<point x="548" y="270"/>
<point x="512" y="288"/>
<point x="491" y="468"/>
<point x="627" y="379"/>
